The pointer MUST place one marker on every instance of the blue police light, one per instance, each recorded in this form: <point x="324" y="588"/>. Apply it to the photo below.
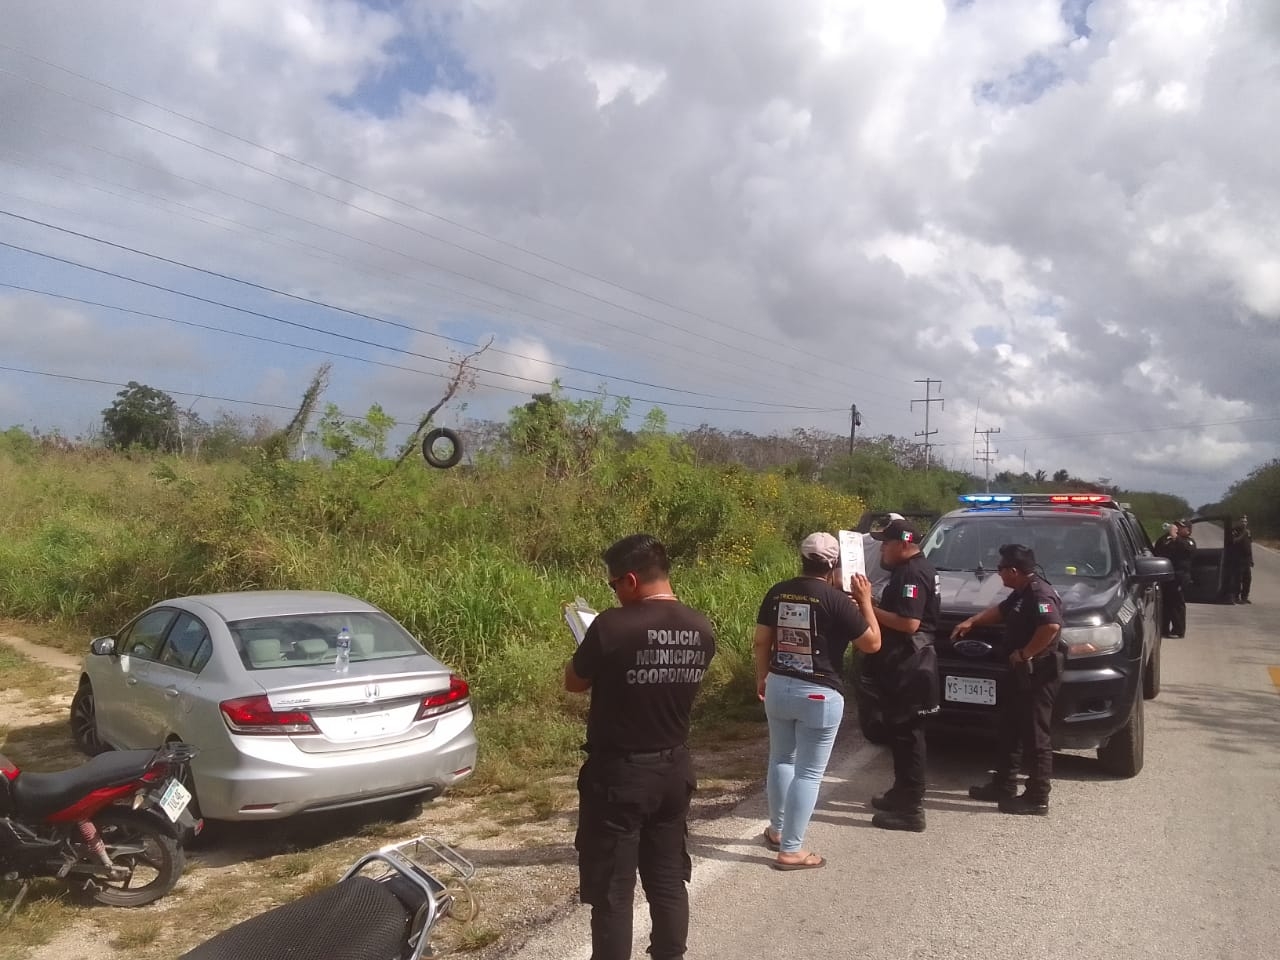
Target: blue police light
<point x="986" y="498"/>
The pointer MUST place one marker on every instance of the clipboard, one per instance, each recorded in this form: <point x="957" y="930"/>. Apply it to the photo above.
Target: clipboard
<point x="853" y="559"/>
<point x="578" y="615"/>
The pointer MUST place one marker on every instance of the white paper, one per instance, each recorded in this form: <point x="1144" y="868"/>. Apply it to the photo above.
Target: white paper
<point x="852" y="558"/>
<point x="578" y="615"/>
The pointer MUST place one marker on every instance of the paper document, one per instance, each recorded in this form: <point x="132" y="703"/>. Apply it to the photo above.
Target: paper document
<point x="578" y="615"/>
<point x="852" y="558"/>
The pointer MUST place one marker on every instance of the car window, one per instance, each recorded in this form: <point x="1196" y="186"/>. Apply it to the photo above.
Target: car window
<point x="268" y="643"/>
<point x="143" y="639"/>
<point x="188" y="646"/>
<point x="1064" y="546"/>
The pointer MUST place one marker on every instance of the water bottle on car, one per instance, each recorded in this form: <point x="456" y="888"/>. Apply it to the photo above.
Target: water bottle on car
<point x="342" y="659"/>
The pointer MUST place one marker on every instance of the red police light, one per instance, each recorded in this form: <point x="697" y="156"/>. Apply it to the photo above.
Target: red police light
<point x="1080" y="498"/>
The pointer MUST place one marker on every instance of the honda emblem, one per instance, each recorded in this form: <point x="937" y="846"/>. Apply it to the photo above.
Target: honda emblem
<point x="371" y="691"/>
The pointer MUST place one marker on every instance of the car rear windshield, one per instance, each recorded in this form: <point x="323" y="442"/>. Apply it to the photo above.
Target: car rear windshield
<point x="267" y="643"/>
<point x="1064" y="546"/>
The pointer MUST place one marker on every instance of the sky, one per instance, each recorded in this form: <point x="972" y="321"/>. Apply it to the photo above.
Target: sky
<point x="751" y="214"/>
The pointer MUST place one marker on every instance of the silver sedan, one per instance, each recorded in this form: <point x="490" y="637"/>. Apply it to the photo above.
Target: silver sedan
<point x="298" y="701"/>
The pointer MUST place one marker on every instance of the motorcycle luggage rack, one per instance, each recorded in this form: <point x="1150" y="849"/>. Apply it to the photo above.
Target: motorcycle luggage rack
<point x="403" y="859"/>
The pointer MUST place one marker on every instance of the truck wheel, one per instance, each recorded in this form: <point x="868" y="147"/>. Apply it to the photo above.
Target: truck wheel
<point x="1151" y="679"/>
<point x="1122" y="755"/>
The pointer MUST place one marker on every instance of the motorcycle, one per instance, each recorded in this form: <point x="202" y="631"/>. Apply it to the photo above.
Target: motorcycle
<point x="109" y="828"/>
<point x="383" y="908"/>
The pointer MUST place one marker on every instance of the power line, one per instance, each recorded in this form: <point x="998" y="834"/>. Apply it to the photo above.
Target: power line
<point x="990" y="454"/>
<point x="353" y="313"/>
<point x="391" y="220"/>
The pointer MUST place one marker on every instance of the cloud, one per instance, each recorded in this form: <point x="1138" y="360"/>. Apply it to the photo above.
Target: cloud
<point x="1065" y="212"/>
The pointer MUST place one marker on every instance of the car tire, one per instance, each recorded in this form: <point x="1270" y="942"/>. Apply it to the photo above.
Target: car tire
<point x="1151" y="678"/>
<point x="84" y="722"/>
<point x="428" y="448"/>
<point x="1122" y="756"/>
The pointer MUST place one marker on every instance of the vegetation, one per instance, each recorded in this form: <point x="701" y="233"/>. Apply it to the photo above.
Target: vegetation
<point x="1257" y="496"/>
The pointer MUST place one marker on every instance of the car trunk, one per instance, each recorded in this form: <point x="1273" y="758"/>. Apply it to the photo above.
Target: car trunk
<point x="367" y="706"/>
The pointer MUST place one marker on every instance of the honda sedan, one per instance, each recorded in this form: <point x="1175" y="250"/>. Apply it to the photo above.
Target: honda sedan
<point x="283" y="722"/>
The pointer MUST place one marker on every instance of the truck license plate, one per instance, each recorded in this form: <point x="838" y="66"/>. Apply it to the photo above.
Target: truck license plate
<point x="971" y="690"/>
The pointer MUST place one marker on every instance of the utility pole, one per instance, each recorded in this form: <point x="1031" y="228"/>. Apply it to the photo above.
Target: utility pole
<point x="855" y="421"/>
<point x="989" y="455"/>
<point x="927" y="401"/>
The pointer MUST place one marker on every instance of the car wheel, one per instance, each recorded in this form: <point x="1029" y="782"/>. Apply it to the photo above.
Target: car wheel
<point x="1151" y="679"/>
<point x="1122" y="755"/>
<point x="84" y="722"/>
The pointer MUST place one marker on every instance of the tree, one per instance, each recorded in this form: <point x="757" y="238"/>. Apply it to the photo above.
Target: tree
<point x="1041" y="476"/>
<point x="1061" y="476"/>
<point x="141" y="416"/>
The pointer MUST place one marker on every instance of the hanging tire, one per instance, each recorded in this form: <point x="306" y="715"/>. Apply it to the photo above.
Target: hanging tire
<point x="140" y="842"/>
<point x="1123" y="755"/>
<point x="84" y="722"/>
<point x="430" y="455"/>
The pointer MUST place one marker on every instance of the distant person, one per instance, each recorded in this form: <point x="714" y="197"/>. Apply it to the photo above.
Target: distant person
<point x="803" y="629"/>
<point x="1180" y="550"/>
<point x="643" y="662"/>
<point x="1032" y="615"/>
<point x="1238" y="562"/>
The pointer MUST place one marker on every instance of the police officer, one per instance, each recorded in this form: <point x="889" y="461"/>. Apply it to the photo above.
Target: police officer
<point x="1173" y="597"/>
<point x="1239" y="562"/>
<point x="1032" y="615"/>
<point x="643" y="662"/>
<point x="906" y="670"/>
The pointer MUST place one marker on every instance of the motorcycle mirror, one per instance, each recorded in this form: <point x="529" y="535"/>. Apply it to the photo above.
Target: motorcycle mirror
<point x="104" y="646"/>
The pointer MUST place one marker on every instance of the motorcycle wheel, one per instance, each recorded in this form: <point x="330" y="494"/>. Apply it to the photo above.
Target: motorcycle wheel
<point x="138" y="841"/>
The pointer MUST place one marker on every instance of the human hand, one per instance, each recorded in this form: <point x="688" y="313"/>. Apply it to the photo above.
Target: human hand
<point x="760" y="688"/>
<point x="1015" y="658"/>
<point x="860" y="588"/>
<point x="962" y="628"/>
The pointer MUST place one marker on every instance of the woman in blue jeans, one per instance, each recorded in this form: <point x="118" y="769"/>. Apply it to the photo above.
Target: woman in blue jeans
<point x="804" y="627"/>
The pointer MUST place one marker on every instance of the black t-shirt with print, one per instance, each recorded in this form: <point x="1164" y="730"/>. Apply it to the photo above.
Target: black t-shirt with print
<point x="815" y="623"/>
<point x="1028" y="609"/>
<point x="645" y="662"/>
<point x="911" y="592"/>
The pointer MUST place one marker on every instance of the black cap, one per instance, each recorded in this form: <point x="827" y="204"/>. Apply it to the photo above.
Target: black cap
<point x="903" y="530"/>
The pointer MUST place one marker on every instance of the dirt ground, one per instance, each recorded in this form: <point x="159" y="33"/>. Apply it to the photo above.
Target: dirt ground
<point x="521" y="843"/>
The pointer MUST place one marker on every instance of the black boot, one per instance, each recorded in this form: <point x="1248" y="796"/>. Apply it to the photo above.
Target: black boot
<point x="1026" y="806"/>
<point x="892" y="801"/>
<point x="901" y="819"/>
<point x="993" y="791"/>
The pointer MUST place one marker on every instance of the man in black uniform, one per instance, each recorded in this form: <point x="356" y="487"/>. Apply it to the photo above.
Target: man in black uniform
<point x="1179" y="549"/>
<point x="1239" y="562"/>
<point x="643" y="663"/>
<point x="1032" y="615"/>
<point x="906" y="670"/>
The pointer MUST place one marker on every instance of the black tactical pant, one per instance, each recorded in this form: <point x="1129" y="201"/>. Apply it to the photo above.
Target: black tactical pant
<point x="1231" y="582"/>
<point x="1246" y="581"/>
<point x="1174" y="605"/>
<point x="907" y="744"/>
<point x="1026" y="717"/>
<point x="632" y="816"/>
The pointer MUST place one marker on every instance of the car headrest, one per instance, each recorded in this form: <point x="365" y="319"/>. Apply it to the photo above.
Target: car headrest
<point x="264" y="650"/>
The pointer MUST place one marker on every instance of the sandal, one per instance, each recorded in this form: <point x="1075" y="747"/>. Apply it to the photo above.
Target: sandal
<point x="811" y="862"/>
<point x="770" y="842"/>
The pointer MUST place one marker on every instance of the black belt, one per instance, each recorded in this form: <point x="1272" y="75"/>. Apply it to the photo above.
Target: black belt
<point x="608" y="753"/>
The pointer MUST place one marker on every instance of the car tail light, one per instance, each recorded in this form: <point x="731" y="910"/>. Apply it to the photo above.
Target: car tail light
<point x="254" y="715"/>
<point x="435" y="704"/>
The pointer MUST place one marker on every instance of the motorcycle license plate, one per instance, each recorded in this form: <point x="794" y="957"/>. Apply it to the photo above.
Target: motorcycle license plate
<point x="174" y="800"/>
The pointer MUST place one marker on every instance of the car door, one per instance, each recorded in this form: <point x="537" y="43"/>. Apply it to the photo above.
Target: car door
<point x="162" y="693"/>
<point x="1134" y="544"/>
<point x="118" y="701"/>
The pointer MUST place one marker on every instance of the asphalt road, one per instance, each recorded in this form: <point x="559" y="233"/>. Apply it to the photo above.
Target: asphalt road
<point x="1181" y="861"/>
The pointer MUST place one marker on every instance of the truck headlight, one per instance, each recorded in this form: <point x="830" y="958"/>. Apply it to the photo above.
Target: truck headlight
<point x="1092" y="641"/>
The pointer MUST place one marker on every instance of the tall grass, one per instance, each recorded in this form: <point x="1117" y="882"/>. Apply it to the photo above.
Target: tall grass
<point x="475" y="562"/>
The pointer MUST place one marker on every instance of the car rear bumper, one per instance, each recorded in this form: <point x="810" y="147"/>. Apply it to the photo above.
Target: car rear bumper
<point x="268" y="778"/>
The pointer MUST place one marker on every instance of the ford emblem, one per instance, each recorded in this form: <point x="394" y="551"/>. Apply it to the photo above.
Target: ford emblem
<point x="972" y="648"/>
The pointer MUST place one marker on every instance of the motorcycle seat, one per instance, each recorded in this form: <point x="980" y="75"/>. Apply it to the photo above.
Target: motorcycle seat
<point x="38" y="795"/>
<point x="355" y="919"/>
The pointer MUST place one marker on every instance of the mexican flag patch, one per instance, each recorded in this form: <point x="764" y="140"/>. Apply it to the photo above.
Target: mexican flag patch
<point x="1045" y="608"/>
<point x="910" y="590"/>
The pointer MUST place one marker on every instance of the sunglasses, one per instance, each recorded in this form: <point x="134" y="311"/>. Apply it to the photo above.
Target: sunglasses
<point x="613" y="584"/>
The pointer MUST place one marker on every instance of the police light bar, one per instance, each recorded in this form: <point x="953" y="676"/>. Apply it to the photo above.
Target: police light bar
<point x="1036" y="498"/>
